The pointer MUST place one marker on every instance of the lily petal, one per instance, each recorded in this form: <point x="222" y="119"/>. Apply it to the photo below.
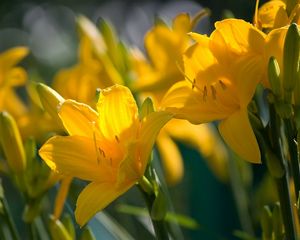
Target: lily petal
<point x="76" y="156"/>
<point x="171" y="158"/>
<point x="118" y="113"/>
<point x="61" y="196"/>
<point x="272" y="14"/>
<point x="12" y="56"/>
<point x="238" y="134"/>
<point x="164" y="47"/>
<point x="235" y="37"/>
<point x="151" y="126"/>
<point x="95" y="197"/>
<point x="79" y="119"/>
<point x="16" y="76"/>
<point x="248" y="73"/>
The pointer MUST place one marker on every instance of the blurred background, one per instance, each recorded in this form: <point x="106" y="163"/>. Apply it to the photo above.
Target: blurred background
<point x="49" y="29"/>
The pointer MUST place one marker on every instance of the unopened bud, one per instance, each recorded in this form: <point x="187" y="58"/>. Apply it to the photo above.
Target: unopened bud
<point x="273" y="75"/>
<point x="159" y="207"/>
<point x="11" y="142"/>
<point x="87" y="234"/>
<point x="58" y="230"/>
<point x="291" y="56"/>
<point x="50" y="100"/>
<point x="69" y="225"/>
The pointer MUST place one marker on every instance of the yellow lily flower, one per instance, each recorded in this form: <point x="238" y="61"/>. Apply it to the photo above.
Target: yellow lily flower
<point x="164" y="47"/>
<point x="81" y="81"/>
<point x="94" y="69"/>
<point x="10" y="77"/>
<point x="109" y="147"/>
<point x="273" y="15"/>
<point x="223" y="71"/>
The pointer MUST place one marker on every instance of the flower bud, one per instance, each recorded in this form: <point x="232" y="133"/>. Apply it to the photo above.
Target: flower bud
<point x="159" y="207"/>
<point x="291" y="56"/>
<point x="50" y="100"/>
<point x="273" y="74"/>
<point x="58" y="230"/>
<point x="87" y="234"/>
<point x="69" y="225"/>
<point x="11" y="142"/>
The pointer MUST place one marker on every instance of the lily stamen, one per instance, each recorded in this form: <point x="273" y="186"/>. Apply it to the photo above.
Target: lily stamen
<point x="213" y="92"/>
<point x="222" y="84"/>
<point x="204" y="93"/>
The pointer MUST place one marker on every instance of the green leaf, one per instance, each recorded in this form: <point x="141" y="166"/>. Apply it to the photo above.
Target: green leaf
<point x="180" y="219"/>
<point x="243" y="235"/>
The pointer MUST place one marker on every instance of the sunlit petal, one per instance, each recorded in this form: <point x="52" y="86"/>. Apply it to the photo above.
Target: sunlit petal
<point x="272" y="14"/>
<point x="79" y="119"/>
<point x="238" y="134"/>
<point x="12" y="56"/>
<point x="76" y="156"/>
<point x="151" y="126"/>
<point x="118" y="113"/>
<point x="95" y="197"/>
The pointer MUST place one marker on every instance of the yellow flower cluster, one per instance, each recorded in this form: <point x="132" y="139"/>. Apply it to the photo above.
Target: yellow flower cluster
<point x="191" y="78"/>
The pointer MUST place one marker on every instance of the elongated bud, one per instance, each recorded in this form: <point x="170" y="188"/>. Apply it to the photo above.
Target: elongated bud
<point x="58" y="230"/>
<point x="266" y="223"/>
<point x="50" y="100"/>
<point x="87" y="234"/>
<point x="30" y="150"/>
<point x="111" y="41"/>
<point x="11" y="142"/>
<point x="291" y="60"/>
<point x="159" y="207"/>
<point x="147" y="108"/>
<point x="273" y="74"/>
<point x="277" y="222"/>
<point x="69" y="225"/>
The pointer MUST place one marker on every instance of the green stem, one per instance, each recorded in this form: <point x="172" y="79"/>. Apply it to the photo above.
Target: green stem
<point x="283" y="181"/>
<point x="32" y="231"/>
<point x="160" y="228"/>
<point x="240" y="196"/>
<point x="293" y="154"/>
<point x="9" y="220"/>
